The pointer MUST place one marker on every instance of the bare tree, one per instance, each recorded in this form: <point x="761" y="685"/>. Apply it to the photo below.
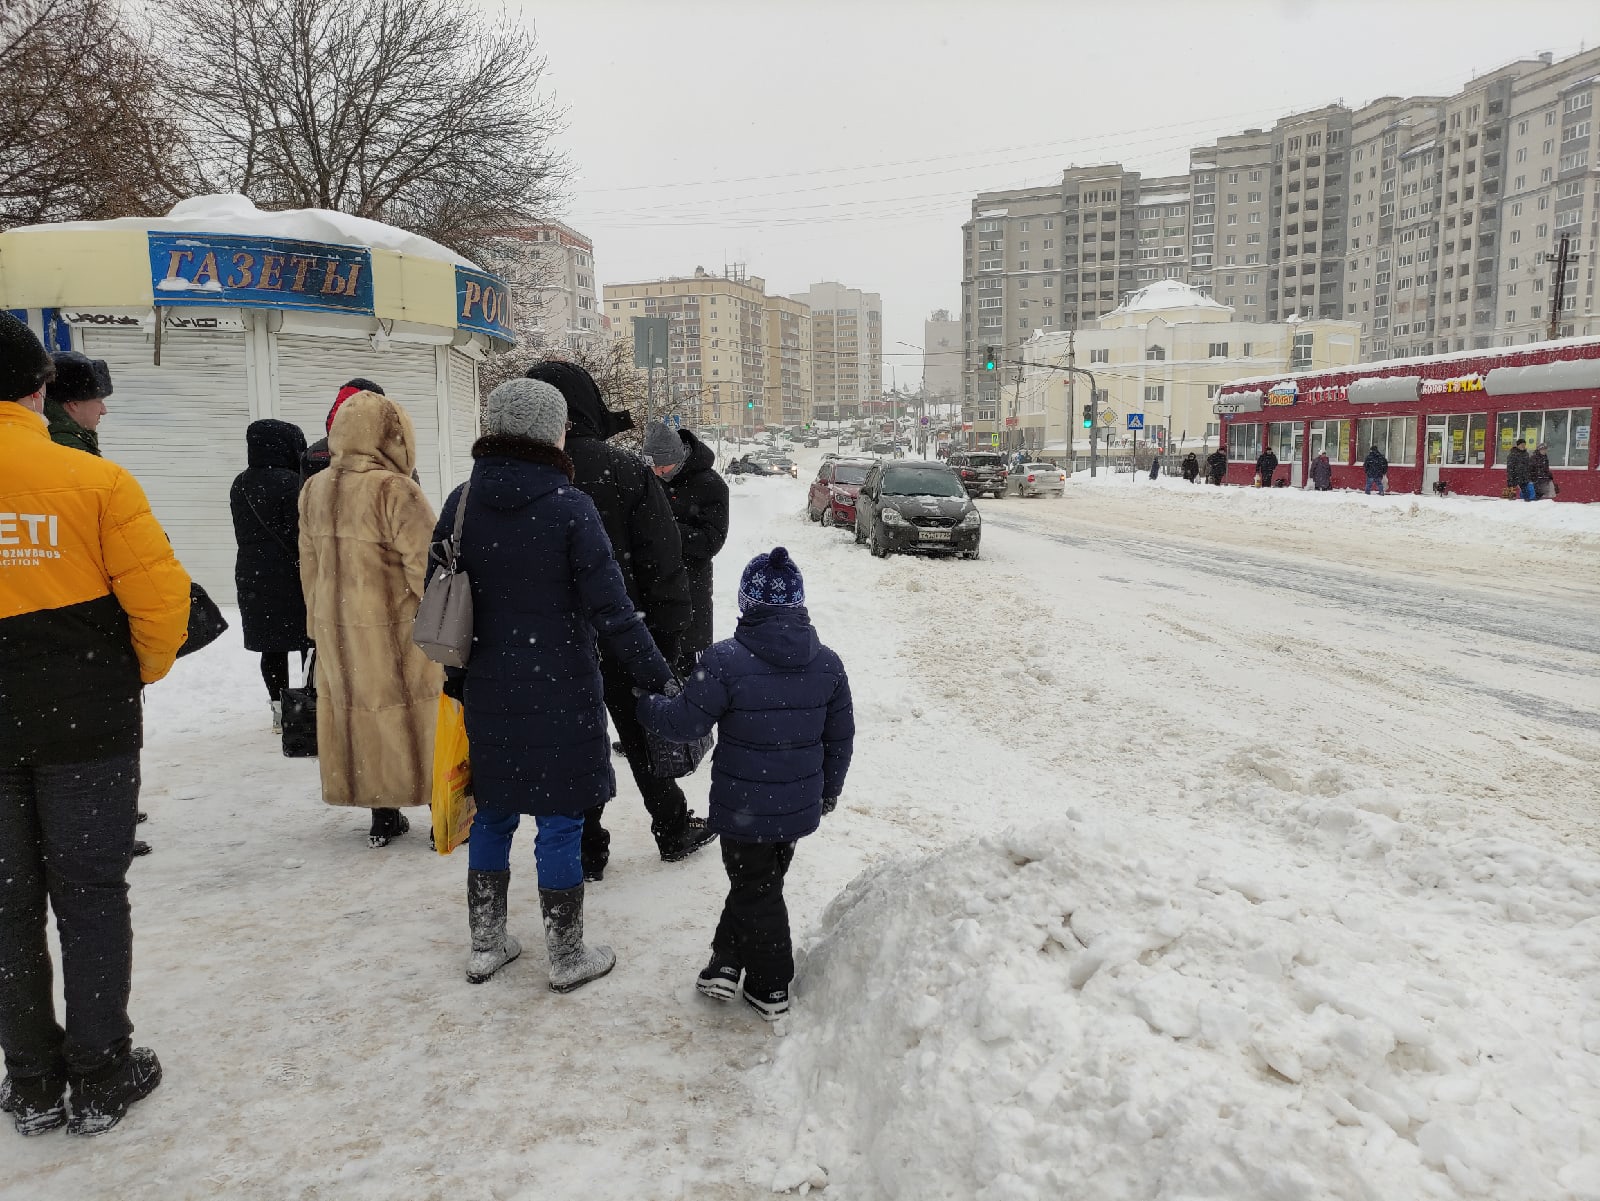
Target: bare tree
<point x="415" y="112"/>
<point x="609" y="361"/>
<point x="82" y="132"/>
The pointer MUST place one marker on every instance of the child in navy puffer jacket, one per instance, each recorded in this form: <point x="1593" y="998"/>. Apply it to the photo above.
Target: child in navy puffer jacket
<point x="781" y="703"/>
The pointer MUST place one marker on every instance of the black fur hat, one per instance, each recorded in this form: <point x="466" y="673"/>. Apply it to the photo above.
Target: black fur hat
<point x="78" y="377"/>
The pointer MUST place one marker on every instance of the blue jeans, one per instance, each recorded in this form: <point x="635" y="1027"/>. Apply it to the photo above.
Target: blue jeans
<point x="556" y="846"/>
<point x="1375" y="481"/>
<point x="1527" y="492"/>
<point x="66" y="837"/>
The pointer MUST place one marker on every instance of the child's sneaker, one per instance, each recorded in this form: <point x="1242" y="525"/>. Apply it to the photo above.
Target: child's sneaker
<point x="770" y="1003"/>
<point x="719" y="979"/>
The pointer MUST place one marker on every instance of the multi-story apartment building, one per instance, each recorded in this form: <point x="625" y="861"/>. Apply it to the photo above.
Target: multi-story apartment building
<point x="551" y="271"/>
<point x="941" y="357"/>
<point x="846" y="348"/>
<point x="1239" y="168"/>
<point x="736" y="356"/>
<point x="1162" y="222"/>
<point x="1306" y="224"/>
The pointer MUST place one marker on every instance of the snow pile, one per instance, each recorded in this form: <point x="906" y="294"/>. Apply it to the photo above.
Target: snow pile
<point x="1367" y="1010"/>
<point x="230" y="213"/>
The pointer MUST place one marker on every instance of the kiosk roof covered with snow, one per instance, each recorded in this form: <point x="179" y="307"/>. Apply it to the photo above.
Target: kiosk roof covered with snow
<point x="218" y="314"/>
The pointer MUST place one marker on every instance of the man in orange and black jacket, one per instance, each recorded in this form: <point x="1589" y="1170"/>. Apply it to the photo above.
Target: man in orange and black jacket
<point x="93" y="606"/>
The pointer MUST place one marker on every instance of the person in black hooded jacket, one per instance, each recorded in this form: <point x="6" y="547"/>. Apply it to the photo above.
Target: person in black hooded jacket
<point x="645" y="542"/>
<point x="266" y="525"/>
<point x="699" y="499"/>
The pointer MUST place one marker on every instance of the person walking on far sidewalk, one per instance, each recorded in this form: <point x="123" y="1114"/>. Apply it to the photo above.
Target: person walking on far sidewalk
<point x="649" y="552"/>
<point x="1266" y="467"/>
<point x="544" y="585"/>
<point x="1519" y="471"/>
<point x="1322" y="473"/>
<point x="1191" y="467"/>
<point x="1376" y="467"/>
<point x="1216" y="466"/>
<point x="265" y="503"/>
<point x="93" y="606"/>
<point x="781" y="703"/>
<point x="364" y="532"/>
<point x="1543" y="479"/>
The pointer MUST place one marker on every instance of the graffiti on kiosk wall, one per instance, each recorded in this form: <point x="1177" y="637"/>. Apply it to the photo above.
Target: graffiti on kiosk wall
<point x="283" y="273"/>
<point x="483" y="303"/>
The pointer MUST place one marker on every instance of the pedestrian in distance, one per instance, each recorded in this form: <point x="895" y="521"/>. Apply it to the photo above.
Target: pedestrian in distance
<point x="544" y="586"/>
<point x="780" y="701"/>
<point x="1544" y="481"/>
<point x="649" y="551"/>
<point x="75" y="401"/>
<point x="1376" y="467"/>
<point x="317" y="457"/>
<point x="1155" y="466"/>
<point x="1216" y="466"/>
<point x="699" y="500"/>
<point x="1519" y="471"/>
<point x="1266" y="466"/>
<point x="1191" y="467"/>
<point x="364" y="532"/>
<point x="1322" y="473"/>
<point x="265" y="503"/>
<point x="93" y="607"/>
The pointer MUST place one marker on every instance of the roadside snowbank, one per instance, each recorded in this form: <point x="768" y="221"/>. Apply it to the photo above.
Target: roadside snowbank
<point x="1351" y="1007"/>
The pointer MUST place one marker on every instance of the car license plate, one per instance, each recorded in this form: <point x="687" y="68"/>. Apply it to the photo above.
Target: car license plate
<point x="935" y="535"/>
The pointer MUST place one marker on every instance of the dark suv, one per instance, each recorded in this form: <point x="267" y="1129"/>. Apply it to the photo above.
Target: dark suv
<point x="980" y="471"/>
<point x="911" y="505"/>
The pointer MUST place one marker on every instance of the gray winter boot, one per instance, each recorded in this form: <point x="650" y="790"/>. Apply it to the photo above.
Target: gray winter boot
<point x="572" y="965"/>
<point x="492" y="947"/>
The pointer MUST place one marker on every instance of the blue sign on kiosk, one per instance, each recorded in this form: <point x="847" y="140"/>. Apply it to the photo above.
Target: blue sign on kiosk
<point x="483" y="304"/>
<point x="280" y="273"/>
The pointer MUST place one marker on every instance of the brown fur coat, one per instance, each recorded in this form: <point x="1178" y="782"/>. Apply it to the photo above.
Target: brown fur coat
<point x="364" y="534"/>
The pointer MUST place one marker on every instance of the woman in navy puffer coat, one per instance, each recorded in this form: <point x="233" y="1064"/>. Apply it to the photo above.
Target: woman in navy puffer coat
<point x="544" y="584"/>
<point x="780" y="702"/>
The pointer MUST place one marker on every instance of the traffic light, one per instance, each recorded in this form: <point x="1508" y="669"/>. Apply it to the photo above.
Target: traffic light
<point x="749" y="404"/>
<point x="988" y="358"/>
<point x="1088" y="416"/>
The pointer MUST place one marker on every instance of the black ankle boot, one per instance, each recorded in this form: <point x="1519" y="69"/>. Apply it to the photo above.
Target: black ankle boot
<point x="100" y="1099"/>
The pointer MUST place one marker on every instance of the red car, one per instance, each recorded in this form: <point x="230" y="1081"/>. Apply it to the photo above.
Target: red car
<point x="832" y="499"/>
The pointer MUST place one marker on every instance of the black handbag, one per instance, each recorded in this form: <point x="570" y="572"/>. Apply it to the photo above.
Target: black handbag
<point x="300" y="716"/>
<point x="206" y="622"/>
<point x="674" y="760"/>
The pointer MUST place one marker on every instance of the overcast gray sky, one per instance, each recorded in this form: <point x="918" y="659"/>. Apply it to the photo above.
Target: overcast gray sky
<point x="832" y="140"/>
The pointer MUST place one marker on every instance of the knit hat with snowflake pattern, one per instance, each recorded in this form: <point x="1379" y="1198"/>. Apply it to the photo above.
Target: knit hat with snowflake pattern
<point x="771" y="579"/>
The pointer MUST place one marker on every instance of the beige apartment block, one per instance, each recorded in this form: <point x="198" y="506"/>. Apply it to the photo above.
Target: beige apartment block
<point x="789" y="362"/>
<point x="1164" y="354"/>
<point x="941" y="357"/>
<point x="1239" y="169"/>
<point x="718" y="345"/>
<point x="1162" y="222"/>
<point x="551" y="270"/>
<point x="846" y="348"/>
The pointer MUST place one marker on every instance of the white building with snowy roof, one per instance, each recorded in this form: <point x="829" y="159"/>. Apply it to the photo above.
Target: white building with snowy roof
<point x="218" y="314"/>
<point x="1161" y="355"/>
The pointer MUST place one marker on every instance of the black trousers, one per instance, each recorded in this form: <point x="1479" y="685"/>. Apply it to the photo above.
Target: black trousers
<point x="66" y="839"/>
<point x="663" y="799"/>
<point x="754" y="929"/>
<point x="275" y="671"/>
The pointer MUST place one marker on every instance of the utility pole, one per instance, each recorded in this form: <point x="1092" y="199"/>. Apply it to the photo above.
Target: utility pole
<point x="1072" y="389"/>
<point x="1563" y="256"/>
<point x="1016" y="407"/>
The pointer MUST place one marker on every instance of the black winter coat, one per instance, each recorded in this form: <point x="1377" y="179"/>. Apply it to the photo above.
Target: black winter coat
<point x="1375" y="464"/>
<point x="1519" y="468"/>
<point x="266" y="525"/>
<point x="1322" y="473"/>
<point x="544" y="586"/>
<point x="780" y="702"/>
<point x="638" y="520"/>
<point x="699" y="500"/>
<point x="1217" y="464"/>
<point x="1539" y="467"/>
<point x="1191" y="467"/>
<point x="1266" y="464"/>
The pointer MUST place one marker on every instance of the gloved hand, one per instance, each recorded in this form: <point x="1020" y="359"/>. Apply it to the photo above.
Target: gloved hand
<point x="829" y="804"/>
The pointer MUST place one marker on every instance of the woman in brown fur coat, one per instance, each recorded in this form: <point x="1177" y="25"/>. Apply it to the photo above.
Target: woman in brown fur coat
<point x="365" y="527"/>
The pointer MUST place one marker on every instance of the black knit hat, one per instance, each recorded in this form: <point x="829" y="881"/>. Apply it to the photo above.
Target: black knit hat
<point x="24" y="365"/>
<point x="364" y="385"/>
<point x="78" y="377"/>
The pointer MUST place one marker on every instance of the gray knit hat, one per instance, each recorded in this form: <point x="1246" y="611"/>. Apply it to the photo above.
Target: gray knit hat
<point x="526" y="408"/>
<point x="665" y="448"/>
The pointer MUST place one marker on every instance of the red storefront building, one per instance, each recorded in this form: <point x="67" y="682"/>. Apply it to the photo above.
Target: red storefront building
<point x="1447" y="418"/>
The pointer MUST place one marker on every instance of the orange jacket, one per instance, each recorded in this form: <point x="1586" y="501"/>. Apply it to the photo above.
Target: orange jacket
<point x="74" y="528"/>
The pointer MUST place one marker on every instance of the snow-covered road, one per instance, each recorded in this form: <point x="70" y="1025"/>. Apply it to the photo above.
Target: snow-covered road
<point x="1314" y="713"/>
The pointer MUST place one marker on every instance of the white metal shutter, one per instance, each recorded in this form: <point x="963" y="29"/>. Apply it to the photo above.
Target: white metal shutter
<point x="311" y="371"/>
<point x="463" y="414"/>
<point x="179" y="429"/>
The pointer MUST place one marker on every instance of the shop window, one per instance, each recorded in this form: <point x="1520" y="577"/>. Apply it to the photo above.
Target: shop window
<point x="1566" y="431"/>
<point x="1333" y="437"/>
<point x="1396" y="437"/>
<point x="1465" y="438"/>
<point x="1280" y="437"/>
<point x="1244" y="441"/>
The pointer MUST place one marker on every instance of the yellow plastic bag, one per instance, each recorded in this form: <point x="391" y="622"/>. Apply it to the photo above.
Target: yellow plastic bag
<point x="453" y="803"/>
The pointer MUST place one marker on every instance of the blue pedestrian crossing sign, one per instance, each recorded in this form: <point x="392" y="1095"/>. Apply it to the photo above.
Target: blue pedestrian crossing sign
<point x="1135" y="421"/>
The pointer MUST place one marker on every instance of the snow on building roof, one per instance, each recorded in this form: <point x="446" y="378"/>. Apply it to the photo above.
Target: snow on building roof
<point x="231" y="213"/>
<point x="1167" y="294"/>
<point x="1398" y="366"/>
